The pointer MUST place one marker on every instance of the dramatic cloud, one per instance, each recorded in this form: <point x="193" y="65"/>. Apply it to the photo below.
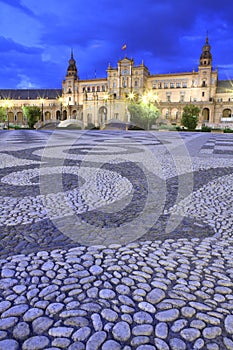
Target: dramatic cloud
<point x="37" y="37"/>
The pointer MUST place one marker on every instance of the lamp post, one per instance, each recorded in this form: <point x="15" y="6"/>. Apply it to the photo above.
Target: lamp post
<point x="131" y="97"/>
<point x="61" y="101"/>
<point x="105" y="97"/>
<point x="42" y="110"/>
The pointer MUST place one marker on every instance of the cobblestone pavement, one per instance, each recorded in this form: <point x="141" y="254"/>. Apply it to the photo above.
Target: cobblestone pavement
<point x="116" y="240"/>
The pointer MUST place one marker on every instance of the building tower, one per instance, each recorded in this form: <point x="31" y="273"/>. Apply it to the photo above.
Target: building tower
<point x="206" y="56"/>
<point x="207" y="79"/>
<point x="70" y="84"/>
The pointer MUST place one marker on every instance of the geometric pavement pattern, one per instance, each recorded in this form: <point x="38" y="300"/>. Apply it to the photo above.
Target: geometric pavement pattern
<point x="116" y="240"/>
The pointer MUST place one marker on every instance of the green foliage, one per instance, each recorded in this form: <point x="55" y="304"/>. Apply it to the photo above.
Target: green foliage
<point x="143" y="115"/>
<point x="32" y="114"/>
<point x="3" y="116"/>
<point x="228" y="131"/>
<point x="190" y="116"/>
<point x="206" y="128"/>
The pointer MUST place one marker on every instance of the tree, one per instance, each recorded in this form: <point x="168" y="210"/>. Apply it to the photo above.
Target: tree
<point x="190" y="116"/>
<point x="32" y="114"/>
<point x="143" y="115"/>
<point x="3" y="117"/>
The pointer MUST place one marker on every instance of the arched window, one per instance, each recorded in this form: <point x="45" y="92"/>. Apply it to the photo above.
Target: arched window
<point x="206" y="114"/>
<point x="226" y="113"/>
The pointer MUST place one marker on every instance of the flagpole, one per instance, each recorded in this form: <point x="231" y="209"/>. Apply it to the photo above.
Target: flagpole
<point x="123" y="48"/>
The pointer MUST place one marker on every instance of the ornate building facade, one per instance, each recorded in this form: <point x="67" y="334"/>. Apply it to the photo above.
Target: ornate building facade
<point x="99" y="101"/>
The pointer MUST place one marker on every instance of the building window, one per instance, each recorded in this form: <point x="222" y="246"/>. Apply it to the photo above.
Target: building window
<point x="136" y="83"/>
<point x="103" y="87"/>
<point x="98" y="89"/>
<point x="184" y="85"/>
<point x="172" y="85"/>
<point x="93" y="89"/>
<point x="166" y="114"/>
<point x="165" y="85"/>
<point x="160" y="85"/>
<point x="182" y="97"/>
<point x="203" y="94"/>
<point x="154" y="86"/>
<point x="178" y="85"/>
<point x="204" y="83"/>
<point x="88" y="89"/>
<point x="84" y="89"/>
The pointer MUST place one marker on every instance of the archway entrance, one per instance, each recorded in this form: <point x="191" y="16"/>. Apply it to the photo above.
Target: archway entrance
<point x="102" y="115"/>
<point x="205" y="114"/>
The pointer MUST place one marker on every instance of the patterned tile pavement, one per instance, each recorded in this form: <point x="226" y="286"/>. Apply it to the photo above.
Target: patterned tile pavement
<point x="116" y="240"/>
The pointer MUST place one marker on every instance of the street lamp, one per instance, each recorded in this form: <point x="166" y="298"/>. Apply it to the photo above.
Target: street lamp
<point x="61" y="101"/>
<point x="42" y="109"/>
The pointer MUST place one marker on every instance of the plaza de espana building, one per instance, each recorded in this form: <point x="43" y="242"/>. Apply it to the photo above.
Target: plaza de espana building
<point x="100" y="101"/>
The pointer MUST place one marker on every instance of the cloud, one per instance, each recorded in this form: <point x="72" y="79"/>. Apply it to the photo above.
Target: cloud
<point x="18" y="5"/>
<point x="168" y="35"/>
<point x="8" y="44"/>
<point x="25" y="82"/>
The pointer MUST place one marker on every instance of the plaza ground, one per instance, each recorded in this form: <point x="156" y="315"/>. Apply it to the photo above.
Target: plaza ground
<point x="116" y="240"/>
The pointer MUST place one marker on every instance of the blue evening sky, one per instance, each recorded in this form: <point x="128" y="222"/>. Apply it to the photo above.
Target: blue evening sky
<point x="36" y="37"/>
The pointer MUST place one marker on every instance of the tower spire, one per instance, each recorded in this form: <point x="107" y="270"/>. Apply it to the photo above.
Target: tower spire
<point x="206" y="56"/>
<point x="72" y="69"/>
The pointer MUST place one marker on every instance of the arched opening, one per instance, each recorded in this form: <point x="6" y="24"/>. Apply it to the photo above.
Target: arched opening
<point x="58" y="115"/>
<point x="64" y="116"/>
<point x="102" y="115"/>
<point x="47" y="116"/>
<point x="226" y="113"/>
<point x="74" y="114"/>
<point x="174" y="114"/>
<point x="20" y="117"/>
<point x="11" y="117"/>
<point x="205" y="114"/>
